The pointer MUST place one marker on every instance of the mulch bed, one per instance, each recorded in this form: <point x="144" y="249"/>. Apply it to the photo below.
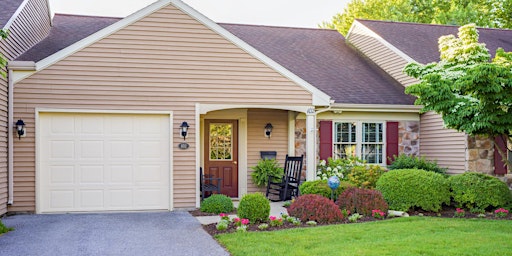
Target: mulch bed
<point x="446" y="212"/>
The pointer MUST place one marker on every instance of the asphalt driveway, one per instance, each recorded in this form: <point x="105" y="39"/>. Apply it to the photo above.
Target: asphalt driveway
<point x="141" y="233"/>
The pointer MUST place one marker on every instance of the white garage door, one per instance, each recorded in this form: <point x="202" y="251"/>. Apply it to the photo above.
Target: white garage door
<point x="103" y="162"/>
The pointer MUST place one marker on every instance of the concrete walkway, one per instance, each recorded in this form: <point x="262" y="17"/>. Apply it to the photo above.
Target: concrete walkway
<point x="276" y="208"/>
<point x="138" y="233"/>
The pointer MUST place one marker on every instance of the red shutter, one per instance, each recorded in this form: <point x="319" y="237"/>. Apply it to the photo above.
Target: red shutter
<point x="325" y="140"/>
<point x="499" y="166"/>
<point x="391" y="140"/>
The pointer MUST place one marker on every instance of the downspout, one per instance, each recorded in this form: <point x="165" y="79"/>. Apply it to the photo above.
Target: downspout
<point x="10" y="146"/>
<point x="11" y="66"/>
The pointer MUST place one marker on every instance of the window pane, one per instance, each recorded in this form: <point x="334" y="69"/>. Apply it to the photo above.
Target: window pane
<point x="344" y="150"/>
<point x="372" y="153"/>
<point x="221" y="141"/>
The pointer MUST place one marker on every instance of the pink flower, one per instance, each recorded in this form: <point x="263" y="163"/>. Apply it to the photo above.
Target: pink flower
<point x="222" y="215"/>
<point x="272" y="218"/>
<point x="236" y="219"/>
<point x="245" y="221"/>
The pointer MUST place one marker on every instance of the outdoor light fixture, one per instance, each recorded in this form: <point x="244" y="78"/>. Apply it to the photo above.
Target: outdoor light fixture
<point x="184" y="129"/>
<point x="268" y="130"/>
<point x="20" y="127"/>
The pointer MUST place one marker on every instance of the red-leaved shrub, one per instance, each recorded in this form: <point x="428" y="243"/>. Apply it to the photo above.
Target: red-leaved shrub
<point x="362" y="201"/>
<point x="316" y="208"/>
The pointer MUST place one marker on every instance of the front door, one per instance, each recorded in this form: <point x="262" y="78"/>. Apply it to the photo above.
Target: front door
<point x="221" y="153"/>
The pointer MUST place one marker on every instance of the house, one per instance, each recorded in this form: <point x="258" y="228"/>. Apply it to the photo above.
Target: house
<point x="392" y="45"/>
<point x="120" y="114"/>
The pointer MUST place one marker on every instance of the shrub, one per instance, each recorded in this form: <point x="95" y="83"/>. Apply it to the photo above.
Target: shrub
<point x="365" y="176"/>
<point x="254" y="207"/>
<point x="315" y="208"/>
<point x="265" y="168"/>
<point x="478" y="190"/>
<point x="320" y="187"/>
<point x="405" y="189"/>
<point x="217" y="203"/>
<point x="337" y="167"/>
<point x="362" y="201"/>
<point x="404" y="161"/>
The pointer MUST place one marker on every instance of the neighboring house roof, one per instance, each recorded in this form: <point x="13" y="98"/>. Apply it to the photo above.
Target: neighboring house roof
<point x="7" y="10"/>
<point x="420" y="41"/>
<point x="322" y="58"/>
<point x="66" y="30"/>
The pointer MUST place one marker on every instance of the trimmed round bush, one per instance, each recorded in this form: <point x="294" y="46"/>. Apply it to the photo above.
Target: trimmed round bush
<point x="365" y="176"/>
<point x="217" y="203"/>
<point x="254" y="207"/>
<point x="315" y="208"/>
<point x="320" y="187"/>
<point x="362" y="201"/>
<point x="477" y="190"/>
<point x="409" y="188"/>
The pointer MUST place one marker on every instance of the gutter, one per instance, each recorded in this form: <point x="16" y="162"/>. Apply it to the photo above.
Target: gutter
<point x="377" y="108"/>
<point x="13" y="66"/>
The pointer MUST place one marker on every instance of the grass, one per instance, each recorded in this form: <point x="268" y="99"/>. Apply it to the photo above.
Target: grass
<point x="401" y="236"/>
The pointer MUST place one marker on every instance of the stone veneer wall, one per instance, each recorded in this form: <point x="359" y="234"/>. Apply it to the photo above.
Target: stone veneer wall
<point x="408" y="140"/>
<point x="480" y="155"/>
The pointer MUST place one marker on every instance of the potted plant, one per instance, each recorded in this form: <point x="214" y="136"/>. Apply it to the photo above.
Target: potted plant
<point x="264" y="169"/>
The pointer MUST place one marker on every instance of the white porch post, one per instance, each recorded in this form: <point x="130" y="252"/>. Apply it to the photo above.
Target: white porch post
<point x="310" y="144"/>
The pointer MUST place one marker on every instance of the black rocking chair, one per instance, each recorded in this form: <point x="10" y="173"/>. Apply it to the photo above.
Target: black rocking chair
<point x="208" y="183"/>
<point x="288" y="185"/>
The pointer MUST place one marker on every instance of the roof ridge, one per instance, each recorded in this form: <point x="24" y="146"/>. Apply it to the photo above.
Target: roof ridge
<point x="87" y="16"/>
<point x="273" y="26"/>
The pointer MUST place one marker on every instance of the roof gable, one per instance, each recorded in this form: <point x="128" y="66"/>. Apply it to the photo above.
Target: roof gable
<point x="420" y="41"/>
<point x="322" y="58"/>
<point x="319" y="97"/>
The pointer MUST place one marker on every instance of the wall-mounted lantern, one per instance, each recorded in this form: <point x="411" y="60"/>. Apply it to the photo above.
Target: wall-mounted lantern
<point x="20" y="128"/>
<point x="184" y="129"/>
<point x="268" y="130"/>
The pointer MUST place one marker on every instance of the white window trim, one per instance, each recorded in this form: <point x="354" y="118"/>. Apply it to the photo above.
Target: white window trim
<point x="359" y="137"/>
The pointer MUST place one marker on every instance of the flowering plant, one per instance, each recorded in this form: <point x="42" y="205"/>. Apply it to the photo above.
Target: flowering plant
<point x="274" y="221"/>
<point x="459" y="213"/>
<point x="378" y="214"/>
<point x="240" y="222"/>
<point x="501" y="213"/>
<point x="224" y="216"/>
<point x="337" y="167"/>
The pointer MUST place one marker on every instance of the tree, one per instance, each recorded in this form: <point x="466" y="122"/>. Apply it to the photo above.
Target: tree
<point x="472" y="93"/>
<point x="3" y="61"/>
<point x="484" y="13"/>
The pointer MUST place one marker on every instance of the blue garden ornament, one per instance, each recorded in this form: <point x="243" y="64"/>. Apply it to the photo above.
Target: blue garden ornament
<point x="334" y="183"/>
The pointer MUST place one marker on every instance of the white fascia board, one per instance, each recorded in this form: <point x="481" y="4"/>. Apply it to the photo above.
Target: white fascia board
<point x="15" y="15"/>
<point x="377" y="108"/>
<point x="381" y="40"/>
<point x="319" y="98"/>
<point x="54" y="58"/>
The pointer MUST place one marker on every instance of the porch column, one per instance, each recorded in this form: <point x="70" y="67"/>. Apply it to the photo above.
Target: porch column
<point x="310" y="144"/>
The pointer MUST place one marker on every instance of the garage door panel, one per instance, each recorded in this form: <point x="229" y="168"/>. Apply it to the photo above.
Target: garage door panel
<point x="104" y="162"/>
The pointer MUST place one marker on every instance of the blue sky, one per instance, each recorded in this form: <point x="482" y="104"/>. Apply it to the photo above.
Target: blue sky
<point x="295" y="13"/>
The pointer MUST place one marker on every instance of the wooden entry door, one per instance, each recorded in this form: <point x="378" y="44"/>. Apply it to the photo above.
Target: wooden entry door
<point x="221" y="153"/>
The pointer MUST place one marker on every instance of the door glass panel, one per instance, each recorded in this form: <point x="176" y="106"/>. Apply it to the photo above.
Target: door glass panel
<point x="221" y="141"/>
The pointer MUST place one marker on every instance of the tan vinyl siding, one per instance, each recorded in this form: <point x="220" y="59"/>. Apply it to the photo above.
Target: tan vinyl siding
<point x="30" y="26"/>
<point x="166" y="61"/>
<point x="387" y="59"/>
<point x="256" y="140"/>
<point x="447" y="146"/>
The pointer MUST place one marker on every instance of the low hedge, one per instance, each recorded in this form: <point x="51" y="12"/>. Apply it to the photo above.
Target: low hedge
<point x="254" y="207"/>
<point x="217" y="203"/>
<point x="320" y="187"/>
<point x="479" y="191"/>
<point x="408" y="188"/>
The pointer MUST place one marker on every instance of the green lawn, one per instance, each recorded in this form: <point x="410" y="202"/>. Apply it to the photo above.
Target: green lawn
<point x="401" y="236"/>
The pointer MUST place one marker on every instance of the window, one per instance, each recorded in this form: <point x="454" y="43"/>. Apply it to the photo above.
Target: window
<point x="362" y="139"/>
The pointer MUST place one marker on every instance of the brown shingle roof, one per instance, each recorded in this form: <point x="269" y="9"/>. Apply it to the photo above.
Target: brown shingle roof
<point x="7" y="9"/>
<point x="322" y="58"/>
<point x="66" y="30"/>
<point x="419" y="41"/>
